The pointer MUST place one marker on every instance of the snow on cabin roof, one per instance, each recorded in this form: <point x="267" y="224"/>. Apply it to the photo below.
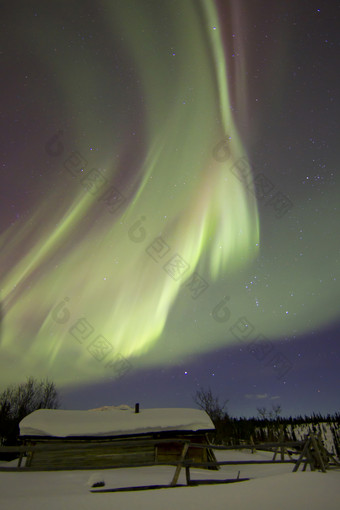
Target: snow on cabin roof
<point x="112" y="421"/>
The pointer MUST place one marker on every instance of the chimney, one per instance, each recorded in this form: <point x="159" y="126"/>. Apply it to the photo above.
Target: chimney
<point x="136" y="408"/>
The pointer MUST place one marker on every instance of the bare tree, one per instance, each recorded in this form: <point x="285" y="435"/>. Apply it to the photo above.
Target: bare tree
<point x="210" y="404"/>
<point x="18" y="401"/>
<point x="269" y="415"/>
<point x="30" y="396"/>
<point x="262" y="412"/>
<point x="276" y="411"/>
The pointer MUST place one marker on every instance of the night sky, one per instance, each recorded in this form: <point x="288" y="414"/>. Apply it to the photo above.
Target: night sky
<point x="169" y="201"/>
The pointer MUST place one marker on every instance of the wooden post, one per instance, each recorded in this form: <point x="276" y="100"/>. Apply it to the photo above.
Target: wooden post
<point x="302" y="455"/>
<point x="309" y="458"/>
<point x="179" y="465"/>
<point x="21" y="456"/>
<point x="29" y="456"/>
<point x="253" y="449"/>
<point x="282" y="453"/>
<point x="317" y="453"/>
<point x="326" y="456"/>
<point x="280" y="448"/>
<point x="187" y="474"/>
<point x="275" y="453"/>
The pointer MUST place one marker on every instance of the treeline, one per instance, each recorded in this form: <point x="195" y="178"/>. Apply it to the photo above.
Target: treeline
<point x="268" y="426"/>
<point x="237" y="430"/>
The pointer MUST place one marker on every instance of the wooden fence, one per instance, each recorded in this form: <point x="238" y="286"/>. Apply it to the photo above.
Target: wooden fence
<point x="310" y="452"/>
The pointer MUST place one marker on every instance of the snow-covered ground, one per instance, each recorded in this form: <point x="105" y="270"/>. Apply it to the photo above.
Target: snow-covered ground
<point x="271" y="486"/>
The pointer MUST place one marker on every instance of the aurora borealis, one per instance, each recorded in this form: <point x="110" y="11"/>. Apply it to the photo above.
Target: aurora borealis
<point x="169" y="191"/>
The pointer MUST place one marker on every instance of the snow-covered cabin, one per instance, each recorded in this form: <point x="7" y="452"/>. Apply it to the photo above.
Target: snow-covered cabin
<point x="108" y="425"/>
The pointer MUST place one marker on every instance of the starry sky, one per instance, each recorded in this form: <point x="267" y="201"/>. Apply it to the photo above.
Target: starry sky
<point x="169" y="202"/>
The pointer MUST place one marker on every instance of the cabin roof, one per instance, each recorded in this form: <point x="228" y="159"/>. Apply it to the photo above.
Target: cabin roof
<point x="111" y="421"/>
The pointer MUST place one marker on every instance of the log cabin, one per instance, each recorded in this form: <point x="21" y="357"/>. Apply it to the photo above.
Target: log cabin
<point x="114" y="436"/>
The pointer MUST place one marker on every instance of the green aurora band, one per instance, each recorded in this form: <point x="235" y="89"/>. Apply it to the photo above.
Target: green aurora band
<point x="74" y="248"/>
